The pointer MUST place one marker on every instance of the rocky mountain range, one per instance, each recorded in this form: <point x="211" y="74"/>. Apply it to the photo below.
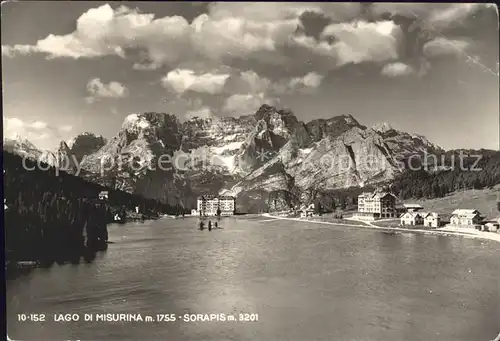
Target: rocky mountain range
<point x="268" y="157"/>
<point x="21" y="146"/>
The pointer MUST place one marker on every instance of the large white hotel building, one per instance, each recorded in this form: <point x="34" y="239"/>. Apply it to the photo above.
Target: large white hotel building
<point x="209" y="205"/>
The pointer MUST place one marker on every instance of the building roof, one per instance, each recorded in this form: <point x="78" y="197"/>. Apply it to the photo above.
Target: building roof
<point x="461" y="211"/>
<point x="207" y="196"/>
<point x="412" y="215"/>
<point x="412" y="206"/>
<point x="431" y="215"/>
<point x="468" y="216"/>
<point x="375" y="194"/>
<point x="215" y="196"/>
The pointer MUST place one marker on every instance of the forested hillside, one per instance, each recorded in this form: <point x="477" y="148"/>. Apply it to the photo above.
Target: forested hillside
<point x="54" y="216"/>
<point x="474" y="173"/>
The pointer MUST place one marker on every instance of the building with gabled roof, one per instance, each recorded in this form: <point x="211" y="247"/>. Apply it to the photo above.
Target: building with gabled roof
<point x="412" y="218"/>
<point x="461" y="211"/>
<point x="432" y="219"/>
<point x="376" y="205"/>
<point x="465" y="217"/>
<point x="104" y="195"/>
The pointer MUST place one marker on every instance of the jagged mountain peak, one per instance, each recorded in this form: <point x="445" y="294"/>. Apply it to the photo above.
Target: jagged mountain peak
<point x="63" y="146"/>
<point x="349" y="119"/>
<point x="426" y="142"/>
<point x="195" y="119"/>
<point x="147" y="120"/>
<point x="382" y="127"/>
<point x="20" y="140"/>
<point x="333" y="127"/>
<point x="21" y="146"/>
<point x="263" y="152"/>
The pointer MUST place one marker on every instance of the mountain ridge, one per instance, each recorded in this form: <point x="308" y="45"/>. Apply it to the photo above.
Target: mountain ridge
<point x="266" y="151"/>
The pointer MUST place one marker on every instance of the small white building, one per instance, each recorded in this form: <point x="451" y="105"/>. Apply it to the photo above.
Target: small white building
<point x="432" y="219"/>
<point x="465" y="218"/>
<point x="194" y="212"/>
<point x="307" y="211"/>
<point x="412" y="218"/>
<point x="492" y="226"/>
<point x="104" y="195"/>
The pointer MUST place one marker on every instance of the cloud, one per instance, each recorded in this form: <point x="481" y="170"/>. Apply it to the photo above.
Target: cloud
<point x="397" y="69"/>
<point x="229" y="31"/>
<point x="249" y="84"/>
<point x="38" y="125"/>
<point x="445" y="47"/>
<point x="310" y="80"/>
<point x="245" y="104"/>
<point x="103" y="31"/>
<point x="11" y="51"/>
<point x="235" y="37"/>
<point x="150" y="66"/>
<point x="453" y="15"/>
<point x="182" y="80"/>
<point x="33" y="131"/>
<point x="232" y="33"/>
<point x="436" y="16"/>
<point x="65" y="128"/>
<point x="10" y="125"/>
<point x="247" y="81"/>
<point x="97" y="89"/>
<point x="362" y="41"/>
<point x="271" y="11"/>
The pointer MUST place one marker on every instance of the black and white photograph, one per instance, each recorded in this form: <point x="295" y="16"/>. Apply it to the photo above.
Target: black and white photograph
<point x="251" y="171"/>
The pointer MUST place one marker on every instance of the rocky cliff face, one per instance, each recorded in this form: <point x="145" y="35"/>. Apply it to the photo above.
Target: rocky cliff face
<point x="61" y="158"/>
<point x="85" y="144"/>
<point x="69" y="155"/>
<point x="267" y="159"/>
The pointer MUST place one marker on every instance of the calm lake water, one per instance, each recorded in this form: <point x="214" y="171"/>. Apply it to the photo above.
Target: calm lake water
<point x="305" y="282"/>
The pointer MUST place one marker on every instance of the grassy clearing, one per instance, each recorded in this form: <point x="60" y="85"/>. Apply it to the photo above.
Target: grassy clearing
<point x="484" y="200"/>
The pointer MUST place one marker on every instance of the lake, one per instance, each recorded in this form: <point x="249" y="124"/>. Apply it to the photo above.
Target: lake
<point x="300" y="281"/>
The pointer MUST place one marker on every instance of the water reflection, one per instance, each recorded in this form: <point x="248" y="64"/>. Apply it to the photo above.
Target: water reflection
<point x="13" y="271"/>
<point x="305" y="283"/>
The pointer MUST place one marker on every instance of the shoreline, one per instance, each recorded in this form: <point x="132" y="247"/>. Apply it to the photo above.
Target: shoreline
<point x="444" y="231"/>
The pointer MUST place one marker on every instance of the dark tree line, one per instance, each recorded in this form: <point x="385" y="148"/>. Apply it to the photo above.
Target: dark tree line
<point x="450" y="176"/>
<point x="474" y="173"/>
<point x="58" y="217"/>
<point x="339" y="199"/>
<point x="455" y="171"/>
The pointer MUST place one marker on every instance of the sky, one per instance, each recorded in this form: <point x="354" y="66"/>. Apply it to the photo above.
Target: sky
<point x="73" y="67"/>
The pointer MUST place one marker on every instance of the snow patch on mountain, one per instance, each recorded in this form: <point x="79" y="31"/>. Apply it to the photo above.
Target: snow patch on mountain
<point x="21" y="146"/>
<point x="382" y="127"/>
<point x="135" y="120"/>
<point x="269" y="152"/>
